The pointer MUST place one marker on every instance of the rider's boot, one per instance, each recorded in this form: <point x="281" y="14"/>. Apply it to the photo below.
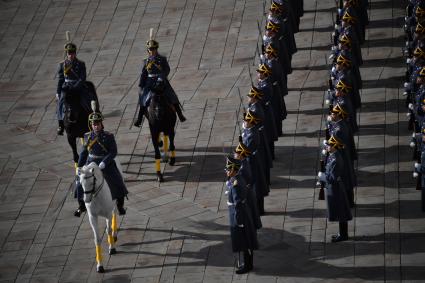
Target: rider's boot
<point x="139" y="117"/>
<point x="182" y="118"/>
<point x="81" y="208"/>
<point x="61" y="128"/>
<point x="120" y="206"/>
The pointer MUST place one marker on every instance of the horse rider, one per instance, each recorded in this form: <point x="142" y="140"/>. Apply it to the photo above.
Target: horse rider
<point x="72" y="76"/>
<point x="100" y="147"/>
<point x="154" y="67"/>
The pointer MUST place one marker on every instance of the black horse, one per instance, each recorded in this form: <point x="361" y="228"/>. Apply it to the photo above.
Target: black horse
<point x="162" y="118"/>
<point x="77" y="111"/>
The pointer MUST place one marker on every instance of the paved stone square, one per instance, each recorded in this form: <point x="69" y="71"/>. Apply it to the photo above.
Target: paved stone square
<point x="177" y="231"/>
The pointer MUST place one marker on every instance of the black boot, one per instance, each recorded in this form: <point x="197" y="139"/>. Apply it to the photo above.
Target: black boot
<point x="81" y="208"/>
<point x="244" y="268"/>
<point x="139" y="117"/>
<point x="182" y="118"/>
<point x="251" y="260"/>
<point x="120" y="206"/>
<point x="61" y="128"/>
<point x="343" y="233"/>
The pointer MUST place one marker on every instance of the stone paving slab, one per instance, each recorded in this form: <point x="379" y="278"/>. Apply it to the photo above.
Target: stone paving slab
<point x="177" y="231"/>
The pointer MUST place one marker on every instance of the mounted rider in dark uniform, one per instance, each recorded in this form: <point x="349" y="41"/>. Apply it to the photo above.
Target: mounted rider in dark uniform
<point x="72" y="77"/>
<point x="100" y="147"/>
<point x="154" y="67"/>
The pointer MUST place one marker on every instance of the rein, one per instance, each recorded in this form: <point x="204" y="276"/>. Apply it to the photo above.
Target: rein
<point x="94" y="191"/>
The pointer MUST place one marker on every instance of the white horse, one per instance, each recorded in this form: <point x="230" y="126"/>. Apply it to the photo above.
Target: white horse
<point x="98" y="199"/>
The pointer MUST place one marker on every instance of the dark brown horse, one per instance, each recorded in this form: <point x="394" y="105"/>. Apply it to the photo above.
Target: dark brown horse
<point x="162" y="119"/>
<point x="77" y="110"/>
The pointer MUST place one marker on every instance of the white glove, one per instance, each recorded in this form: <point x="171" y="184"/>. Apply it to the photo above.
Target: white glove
<point x="240" y="226"/>
<point x="408" y="60"/>
<point x="408" y="114"/>
<point x="327" y="101"/>
<point x="411" y="106"/>
<point x="324" y="152"/>
<point x="412" y="144"/>
<point x="415" y="175"/>
<point x="417" y="165"/>
<point x="406" y="85"/>
<point x="57" y="96"/>
<point x="102" y="165"/>
<point x="322" y="176"/>
<point x="325" y="142"/>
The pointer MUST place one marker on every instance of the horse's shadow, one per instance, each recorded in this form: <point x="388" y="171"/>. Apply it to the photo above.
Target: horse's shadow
<point x="281" y="253"/>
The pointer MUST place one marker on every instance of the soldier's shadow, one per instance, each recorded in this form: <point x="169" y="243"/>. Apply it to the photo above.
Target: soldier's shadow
<point x="281" y="254"/>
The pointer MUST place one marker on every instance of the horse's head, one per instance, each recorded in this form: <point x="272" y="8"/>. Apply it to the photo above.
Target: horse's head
<point x="91" y="180"/>
<point x="156" y="107"/>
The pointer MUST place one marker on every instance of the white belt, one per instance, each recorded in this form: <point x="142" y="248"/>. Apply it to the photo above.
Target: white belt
<point x="153" y="75"/>
<point x="70" y="81"/>
<point x="96" y="156"/>
<point x="230" y="203"/>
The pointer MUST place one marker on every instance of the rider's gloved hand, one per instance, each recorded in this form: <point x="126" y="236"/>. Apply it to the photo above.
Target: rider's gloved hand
<point x="102" y="165"/>
<point x="57" y="96"/>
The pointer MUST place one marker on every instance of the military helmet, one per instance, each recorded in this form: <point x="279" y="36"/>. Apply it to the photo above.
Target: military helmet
<point x="347" y="17"/>
<point x="420" y="28"/>
<point x="422" y="72"/>
<point x="345" y="40"/>
<point x="264" y="69"/>
<point x="251" y="117"/>
<point x="242" y="150"/>
<point x="70" y="47"/>
<point x="95" y="117"/>
<point x="419" y="52"/>
<point x="152" y="44"/>
<point x="232" y="164"/>
<point x="343" y="85"/>
<point x="344" y="60"/>
<point x="339" y="110"/>
<point x="276" y="8"/>
<point x="272" y="26"/>
<point x="335" y="142"/>
<point x="255" y="93"/>
<point x="420" y="11"/>
<point x="271" y="51"/>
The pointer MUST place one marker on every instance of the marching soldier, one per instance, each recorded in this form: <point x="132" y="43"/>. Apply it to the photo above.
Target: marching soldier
<point x="336" y="194"/>
<point x="242" y="230"/>
<point x="72" y="76"/>
<point x="100" y="147"/>
<point x="154" y="67"/>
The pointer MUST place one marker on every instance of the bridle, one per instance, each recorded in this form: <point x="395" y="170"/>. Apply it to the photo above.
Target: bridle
<point x="94" y="191"/>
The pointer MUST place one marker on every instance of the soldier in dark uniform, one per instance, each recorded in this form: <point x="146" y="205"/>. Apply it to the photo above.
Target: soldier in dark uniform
<point x="100" y="147"/>
<point x="243" y="154"/>
<point x="242" y="230"/>
<point x="420" y="164"/>
<point x="72" y="76"/>
<point x="154" y="67"/>
<point x="272" y="37"/>
<point x="336" y="194"/>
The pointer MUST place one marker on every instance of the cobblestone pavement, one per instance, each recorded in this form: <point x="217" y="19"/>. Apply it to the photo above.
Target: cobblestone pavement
<point x="177" y="231"/>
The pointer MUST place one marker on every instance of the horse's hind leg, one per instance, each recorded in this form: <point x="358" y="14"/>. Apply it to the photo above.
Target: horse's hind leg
<point x="157" y="156"/>
<point x="110" y="231"/>
<point x="99" y="256"/>
<point x="172" y="149"/>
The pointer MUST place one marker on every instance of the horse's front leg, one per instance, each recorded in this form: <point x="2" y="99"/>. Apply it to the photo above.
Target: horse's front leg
<point x="110" y="231"/>
<point x="97" y="242"/>
<point x="73" y="143"/>
<point x="155" y="136"/>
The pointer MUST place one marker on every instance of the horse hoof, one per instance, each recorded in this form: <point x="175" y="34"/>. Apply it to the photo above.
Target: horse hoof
<point x="172" y="161"/>
<point x="112" y="251"/>
<point x="160" y="178"/>
<point x="100" y="269"/>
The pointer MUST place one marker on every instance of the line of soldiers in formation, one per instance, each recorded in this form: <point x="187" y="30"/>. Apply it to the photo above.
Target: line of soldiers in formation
<point x="414" y="87"/>
<point x="248" y="169"/>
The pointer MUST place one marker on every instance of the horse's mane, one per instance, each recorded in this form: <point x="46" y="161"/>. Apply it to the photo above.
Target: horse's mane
<point x="92" y="165"/>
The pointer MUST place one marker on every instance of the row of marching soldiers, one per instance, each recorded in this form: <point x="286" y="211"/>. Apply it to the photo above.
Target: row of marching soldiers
<point x="248" y="169"/>
<point x="414" y="52"/>
<point x="337" y="177"/>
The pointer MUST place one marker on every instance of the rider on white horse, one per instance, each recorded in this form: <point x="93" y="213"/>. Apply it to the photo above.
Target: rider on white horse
<point x="100" y="147"/>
